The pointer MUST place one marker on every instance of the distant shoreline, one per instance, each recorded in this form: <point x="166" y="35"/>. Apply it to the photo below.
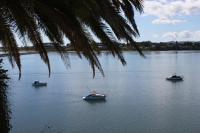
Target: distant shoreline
<point x="27" y="52"/>
<point x="144" y="46"/>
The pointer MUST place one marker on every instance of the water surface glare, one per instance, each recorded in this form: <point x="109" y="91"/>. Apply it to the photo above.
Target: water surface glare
<point x="139" y="99"/>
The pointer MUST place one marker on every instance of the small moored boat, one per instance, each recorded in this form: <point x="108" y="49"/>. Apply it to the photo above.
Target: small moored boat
<point x="38" y="83"/>
<point x="95" y="96"/>
<point x="175" y="78"/>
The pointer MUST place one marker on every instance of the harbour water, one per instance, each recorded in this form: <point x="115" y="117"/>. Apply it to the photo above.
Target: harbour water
<point x="139" y="99"/>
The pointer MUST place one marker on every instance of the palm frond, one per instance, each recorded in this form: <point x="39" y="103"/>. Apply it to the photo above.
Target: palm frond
<point x="69" y="18"/>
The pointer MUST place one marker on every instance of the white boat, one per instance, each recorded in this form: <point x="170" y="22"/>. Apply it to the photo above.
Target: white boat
<point x="175" y="78"/>
<point x="38" y="83"/>
<point x="95" y="96"/>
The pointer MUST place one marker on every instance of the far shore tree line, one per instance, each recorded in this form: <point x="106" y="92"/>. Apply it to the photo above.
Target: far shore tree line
<point x="145" y="45"/>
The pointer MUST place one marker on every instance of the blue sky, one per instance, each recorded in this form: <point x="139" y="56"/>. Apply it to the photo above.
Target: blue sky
<point x="169" y="20"/>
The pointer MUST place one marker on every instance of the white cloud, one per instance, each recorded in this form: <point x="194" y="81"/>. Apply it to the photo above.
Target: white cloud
<point x="155" y="35"/>
<point x="169" y="10"/>
<point x="167" y="21"/>
<point x="182" y="35"/>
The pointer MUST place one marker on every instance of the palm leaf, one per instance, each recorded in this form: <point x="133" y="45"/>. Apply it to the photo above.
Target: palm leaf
<point x="72" y="19"/>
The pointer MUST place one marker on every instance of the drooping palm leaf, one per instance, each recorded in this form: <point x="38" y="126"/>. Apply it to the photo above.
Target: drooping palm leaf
<point x="72" y="19"/>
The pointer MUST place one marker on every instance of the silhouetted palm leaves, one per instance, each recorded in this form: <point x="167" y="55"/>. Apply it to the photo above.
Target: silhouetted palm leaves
<point x="109" y="20"/>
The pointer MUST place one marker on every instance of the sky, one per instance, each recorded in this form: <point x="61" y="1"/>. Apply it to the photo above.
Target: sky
<point x="166" y="20"/>
<point x="169" y="20"/>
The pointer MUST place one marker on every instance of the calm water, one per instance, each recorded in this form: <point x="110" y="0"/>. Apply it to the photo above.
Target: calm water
<point x="139" y="99"/>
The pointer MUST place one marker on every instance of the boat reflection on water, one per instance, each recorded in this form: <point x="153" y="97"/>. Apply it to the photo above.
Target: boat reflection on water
<point x="96" y="102"/>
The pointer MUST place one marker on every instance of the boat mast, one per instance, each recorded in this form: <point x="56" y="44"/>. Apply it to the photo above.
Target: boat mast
<point x="176" y="52"/>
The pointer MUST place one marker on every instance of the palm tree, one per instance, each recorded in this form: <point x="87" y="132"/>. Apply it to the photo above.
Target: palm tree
<point x="109" y="20"/>
<point x="4" y="104"/>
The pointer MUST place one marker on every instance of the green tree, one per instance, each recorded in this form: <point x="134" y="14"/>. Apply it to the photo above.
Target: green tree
<point x="4" y="106"/>
<point x="109" y="20"/>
